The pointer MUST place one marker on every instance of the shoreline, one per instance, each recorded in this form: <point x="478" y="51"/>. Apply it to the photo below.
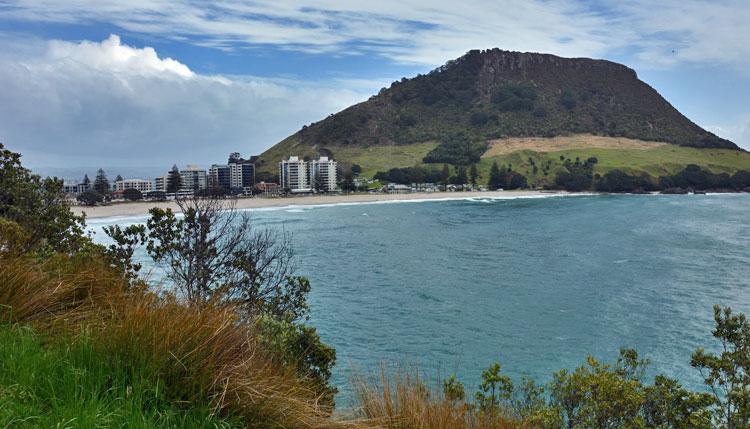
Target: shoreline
<point x="141" y="208"/>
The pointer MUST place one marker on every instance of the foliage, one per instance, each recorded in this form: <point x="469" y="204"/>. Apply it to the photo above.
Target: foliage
<point x="505" y="178"/>
<point x="409" y="175"/>
<point x="101" y="183"/>
<point x="728" y="373"/>
<point x="694" y="177"/>
<point x="90" y="198"/>
<point x="132" y="194"/>
<point x="215" y="257"/>
<point x="39" y="207"/>
<point x="174" y="180"/>
<point x="577" y="176"/>
<point x="457" y="149"/>
<point x="619" y="181"/>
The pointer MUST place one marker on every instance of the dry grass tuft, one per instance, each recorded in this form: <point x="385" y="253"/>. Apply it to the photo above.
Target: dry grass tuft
<point x="403" y="401"/>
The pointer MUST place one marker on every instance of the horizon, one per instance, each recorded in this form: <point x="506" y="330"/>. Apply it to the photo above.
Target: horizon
<point x="151" y="85"/>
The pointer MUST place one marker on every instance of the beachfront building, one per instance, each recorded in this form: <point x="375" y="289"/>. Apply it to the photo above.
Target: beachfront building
<point x="193" y="179"/>
<point x="138" y="184"/>
<point x="293" y="175"/>
<point x="239" y="175"/>
<point x="322" y="174"/>
<point x="219" y="177"/>
<point x="267" y="189"/>
<point x="160" y="184"/>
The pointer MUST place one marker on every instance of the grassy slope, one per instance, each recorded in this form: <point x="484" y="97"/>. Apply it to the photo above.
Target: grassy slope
<point x="372" y="159"/>
<point x="656" y="161"/>
<point x="62" y="385"/>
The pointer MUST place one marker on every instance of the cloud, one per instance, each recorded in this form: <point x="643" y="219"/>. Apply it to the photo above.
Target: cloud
<point x="109" y="103"/>
<point x="428" y="32"/>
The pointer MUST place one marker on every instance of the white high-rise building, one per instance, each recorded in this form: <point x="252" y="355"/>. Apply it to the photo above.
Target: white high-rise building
<point x="193" y="178"/>
<point x="322" y="174"/>
<point x="139" y="184"/>
<point x="293" y="175"/>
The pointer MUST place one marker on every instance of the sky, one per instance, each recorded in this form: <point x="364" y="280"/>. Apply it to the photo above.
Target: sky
<point x="153" y="83"/>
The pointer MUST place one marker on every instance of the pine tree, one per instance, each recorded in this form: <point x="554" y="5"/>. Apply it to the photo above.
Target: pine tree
<point x="461" y="176"/>
<point x="497" y="178"/>
<point x="86" y="180"/>
<point x="101" y="183"/>
<point x="473" y="174"/>
<point x="174" y="180"/>
<point x="118" y="178"/>
<point x="446" y="174"/>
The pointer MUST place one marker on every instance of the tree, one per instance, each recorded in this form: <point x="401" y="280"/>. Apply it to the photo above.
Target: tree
<point x="347" y="184"/>
<point x="497" y="178"/>
<point x="174" y="180"/>
<point x="356" y="170"/>
<point x="453" y="390"/>
<point x="728" y="373"/>
<point x="90" y="198"/>
<point x="473" y="175"/>
<point x="460" y="177"/>
<point x="132" y="195"/>
<point x="39" y="207"/>
<point x="318" y="183"/>
<point x="86" y="181"/>
<point x="101" y="184"/>
<point x="214" y="256"/>
<point x="445" y="174"/>
<point x="118" y="178"/>
<point x="494" y="388"/>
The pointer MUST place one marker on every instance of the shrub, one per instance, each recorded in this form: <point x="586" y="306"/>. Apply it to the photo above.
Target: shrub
<point x="90" y="198"/>
<point x="132" y="195"/>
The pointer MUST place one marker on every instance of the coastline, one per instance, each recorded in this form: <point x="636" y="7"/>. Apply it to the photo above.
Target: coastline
<point x="141" y="208"/>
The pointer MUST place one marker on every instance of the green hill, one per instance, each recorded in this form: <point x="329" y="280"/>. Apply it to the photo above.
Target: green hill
<point x="451" y="114"/>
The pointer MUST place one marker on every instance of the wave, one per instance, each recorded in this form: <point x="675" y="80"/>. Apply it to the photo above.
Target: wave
<point x="299" y="208"/>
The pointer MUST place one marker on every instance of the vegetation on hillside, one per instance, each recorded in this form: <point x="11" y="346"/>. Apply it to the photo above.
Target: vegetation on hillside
<point x="493" y="94"/>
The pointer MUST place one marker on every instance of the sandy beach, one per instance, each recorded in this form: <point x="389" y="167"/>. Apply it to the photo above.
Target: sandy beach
<point x="132" y="209"/>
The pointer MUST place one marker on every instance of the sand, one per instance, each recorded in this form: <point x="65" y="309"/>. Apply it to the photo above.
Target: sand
<point x="134" y="209"/>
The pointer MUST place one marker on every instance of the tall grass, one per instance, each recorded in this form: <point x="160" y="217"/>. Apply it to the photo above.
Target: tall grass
<point x="74" y="385"/>
<point x="402" y="400"/>
<point x="199" y="356"/>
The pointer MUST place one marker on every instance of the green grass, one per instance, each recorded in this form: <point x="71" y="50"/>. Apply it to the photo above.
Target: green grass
<point x="63" y="385"/>
<point x="658" y="161"/>
<point x="372" y="159"/>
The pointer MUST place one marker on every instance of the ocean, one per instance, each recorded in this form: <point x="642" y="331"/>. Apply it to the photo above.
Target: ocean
<point x="535" y="283"/>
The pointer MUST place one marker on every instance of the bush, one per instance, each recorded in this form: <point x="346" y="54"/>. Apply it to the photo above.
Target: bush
<point x="132" y="195"/>
<point x="90" y="198"/>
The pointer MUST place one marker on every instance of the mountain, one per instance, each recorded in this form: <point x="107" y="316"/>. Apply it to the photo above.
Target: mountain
<point x="477" y="101"/>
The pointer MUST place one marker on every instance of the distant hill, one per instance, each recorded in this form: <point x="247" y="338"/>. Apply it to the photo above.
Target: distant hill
<point x="488" y="96"/>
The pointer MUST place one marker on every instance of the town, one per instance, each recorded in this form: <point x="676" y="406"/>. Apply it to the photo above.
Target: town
<point x="237" y="178"/>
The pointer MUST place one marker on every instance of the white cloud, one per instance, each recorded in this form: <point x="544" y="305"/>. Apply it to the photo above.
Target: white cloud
<point x="429" y="32"/>
<point x="108" y="103"/>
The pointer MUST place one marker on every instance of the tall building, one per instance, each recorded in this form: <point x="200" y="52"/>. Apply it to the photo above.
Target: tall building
<point x="322" y="174"/>
<point x="139" y="184"/>
<point x="293" y="175"/>
<point x="219" y="177"/>
<point x="193" y="178"/>
<point x="235" y="175"/>
<point x="242" y="175"/>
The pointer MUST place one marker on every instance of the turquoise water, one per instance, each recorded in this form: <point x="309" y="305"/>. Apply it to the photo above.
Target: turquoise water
<point x="537" y="284"/>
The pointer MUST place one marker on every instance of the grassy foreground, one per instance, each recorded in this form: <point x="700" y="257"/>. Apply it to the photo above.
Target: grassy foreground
<point x="64" y="384"/>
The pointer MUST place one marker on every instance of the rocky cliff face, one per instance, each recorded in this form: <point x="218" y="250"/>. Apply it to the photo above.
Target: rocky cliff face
<point x="494" y="94"/>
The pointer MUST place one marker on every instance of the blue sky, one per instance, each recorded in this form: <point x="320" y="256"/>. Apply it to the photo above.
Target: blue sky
<point x="150" y="83"/>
